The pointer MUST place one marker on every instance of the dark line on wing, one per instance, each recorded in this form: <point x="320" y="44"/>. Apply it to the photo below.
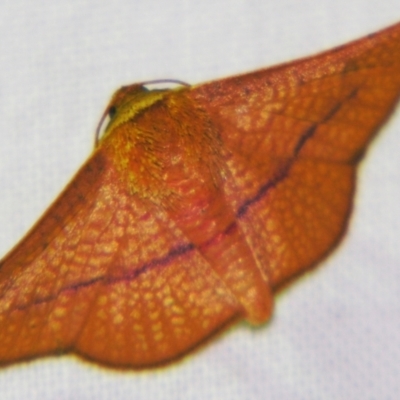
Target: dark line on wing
<point x="158" y="262"/>
<point x="308" y="134"/>
<point x="264" y="189"/>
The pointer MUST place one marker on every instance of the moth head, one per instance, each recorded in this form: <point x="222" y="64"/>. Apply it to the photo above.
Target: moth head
<point x="128" y="101"/>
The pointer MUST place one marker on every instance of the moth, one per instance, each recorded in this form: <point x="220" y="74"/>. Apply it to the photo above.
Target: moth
<point x="197" y="204"/>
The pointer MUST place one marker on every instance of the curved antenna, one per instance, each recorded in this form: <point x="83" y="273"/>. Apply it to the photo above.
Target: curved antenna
<point x="99" y="125"/>
<point x="155" y="81"/>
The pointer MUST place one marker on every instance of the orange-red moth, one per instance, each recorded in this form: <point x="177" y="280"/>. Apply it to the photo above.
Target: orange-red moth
<point x="196" y="205"/>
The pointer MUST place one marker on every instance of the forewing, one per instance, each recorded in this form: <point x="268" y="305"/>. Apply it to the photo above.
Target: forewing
<point x="293" y="135"/>
<point x="109" y="276"/>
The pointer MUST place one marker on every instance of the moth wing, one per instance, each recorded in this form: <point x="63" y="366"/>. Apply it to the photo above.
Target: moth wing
<point x="108" y="276"/>
<point x="293" y="135"/>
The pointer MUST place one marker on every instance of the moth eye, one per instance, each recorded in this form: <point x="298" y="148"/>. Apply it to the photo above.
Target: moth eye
<point x="112" y="111"/>
<point x="105" y="120"/>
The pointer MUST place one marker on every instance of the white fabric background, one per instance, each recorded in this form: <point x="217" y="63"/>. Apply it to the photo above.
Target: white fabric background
<point x="335" y="333"/>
